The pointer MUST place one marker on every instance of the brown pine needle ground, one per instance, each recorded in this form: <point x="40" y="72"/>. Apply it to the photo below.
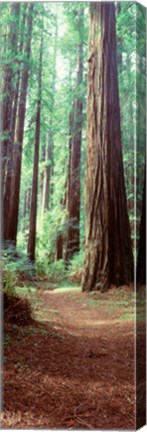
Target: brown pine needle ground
<point x="73" y="366"/>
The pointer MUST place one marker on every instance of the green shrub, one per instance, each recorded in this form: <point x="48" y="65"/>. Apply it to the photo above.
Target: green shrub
<point x="57" y="271"/>
<point x="76" y="267"/>
<point x="42" y="265"/>
<point x="15" y="268"/>
<point x="9" y="276"/>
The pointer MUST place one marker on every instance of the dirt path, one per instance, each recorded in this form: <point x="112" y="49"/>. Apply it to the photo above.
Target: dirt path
<point x="74" y="368"/>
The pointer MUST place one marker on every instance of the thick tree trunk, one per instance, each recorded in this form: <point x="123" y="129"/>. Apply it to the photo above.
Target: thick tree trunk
<point x="15" y="191"/>
<point x="141" y="261"/>
<point x="18" y="72"/>
<point x="73" y="193"/>
<point x="33" y="213"/>
<point x="108" y="253"/>
<point x="8" y="88"/>
<point x="10" y="169"/>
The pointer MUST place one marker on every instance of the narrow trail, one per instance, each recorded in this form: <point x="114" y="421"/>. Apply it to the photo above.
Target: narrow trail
<point x="73" y="367"/>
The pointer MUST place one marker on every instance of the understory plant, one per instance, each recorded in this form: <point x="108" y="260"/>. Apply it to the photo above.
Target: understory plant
<point x="76" y="267"/>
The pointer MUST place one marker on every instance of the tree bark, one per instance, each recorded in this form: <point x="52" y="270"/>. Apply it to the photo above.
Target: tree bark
<point x="48" y="186"/>
<point x="59" y="247"/>
<point x="10" y="168"/>
<point x="33" y="213"/>
<point x="141" y="259"/>
<point x="47" y="174"/>
<point x="15" y="191"/>
<point x="8" y="87"/>
<point x="108" y="253"/>
<point x="119" y="42"/>
<point x="75" y="140"/>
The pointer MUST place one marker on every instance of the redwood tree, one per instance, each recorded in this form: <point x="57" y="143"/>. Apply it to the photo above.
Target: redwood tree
<point x="47" y="173"/>
<point x="9" y="172"/>
<point x="108" y="253"/>
<point x="17" y="160"/>
<point x="141" y="260"/>
<point x="33" y="212"/>
<point x="75" y="140"/>
<point x="47" y="186"/>
<point x="8" y="86"/>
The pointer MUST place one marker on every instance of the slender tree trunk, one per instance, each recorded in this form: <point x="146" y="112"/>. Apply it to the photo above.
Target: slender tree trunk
<point x="10" y="169"/>
<point x="68" y="183"/>
<point x="108" y="253"/>
<point x="47" y="174"/>
<point x="25" y="203"/>
<point x="119" y="42"/>
<point x="141" y="260"/>
<point x="73" y="194"/>
<point x="15" y="191"/>
<point x="59" y="247"/>
<point x="33" y="213"/>
<point x="42" y="159"/>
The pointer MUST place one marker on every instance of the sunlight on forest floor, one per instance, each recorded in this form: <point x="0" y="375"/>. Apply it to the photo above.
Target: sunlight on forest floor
<point x="63" y="369"/>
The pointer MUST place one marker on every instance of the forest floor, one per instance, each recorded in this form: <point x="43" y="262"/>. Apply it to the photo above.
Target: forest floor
<point x="73" y="365"/>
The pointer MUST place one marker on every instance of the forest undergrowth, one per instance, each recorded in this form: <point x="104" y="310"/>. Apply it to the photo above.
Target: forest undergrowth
<point x="72" y="365"/>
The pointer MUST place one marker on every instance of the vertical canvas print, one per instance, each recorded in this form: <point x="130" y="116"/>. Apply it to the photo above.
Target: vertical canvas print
<point x="73" y="209"/>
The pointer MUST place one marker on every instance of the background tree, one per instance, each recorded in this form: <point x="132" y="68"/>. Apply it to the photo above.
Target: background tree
<point x="15" y="187"/>
<point x="33" y="209"/>
<point x="8" y="171"/>
<point x="8" y="82"/>
<point x="75" y="142"/>
<point x="141" y="260"/>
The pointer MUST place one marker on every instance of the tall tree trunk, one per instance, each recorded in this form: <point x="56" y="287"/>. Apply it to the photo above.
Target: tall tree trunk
<point x="8" y="87"/>
<point x="68" y="182"/>
<point x="27" y="202"/>
<point x="47" y="174"/>
<point x="141" y="260"/>
<point x="73" y="195"/>
<point x="10" y="168"/>
<point x="15" y="191"/>
<point x="47" y="186"/>
<point x="119" y="41"/>
<point x="33" y="213"/>
<point x="108" y="253"/>
<point x="18" y="72"/>
<point x="42" y="159"/>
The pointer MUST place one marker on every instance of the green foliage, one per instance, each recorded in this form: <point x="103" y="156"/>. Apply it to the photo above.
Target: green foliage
<point x="76" y="267"/>
<point x="131" y="39"/>
<point x="15" y="267"/>
<point x="50" y="225"/>
<point x="63" y="31"/>
<point x="9" y="274"/>
<point x="42" y="265"/>
<point x="57" y="271"/>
